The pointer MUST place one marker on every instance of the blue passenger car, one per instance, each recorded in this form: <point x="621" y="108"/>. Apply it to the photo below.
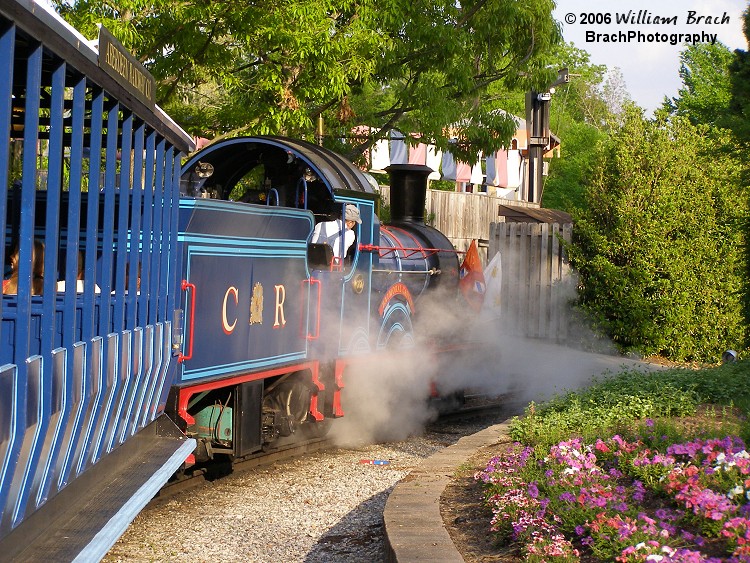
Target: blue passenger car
<point x="89" y="188"/>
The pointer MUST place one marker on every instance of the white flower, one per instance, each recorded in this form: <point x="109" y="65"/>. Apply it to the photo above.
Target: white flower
<point x="736" y="491"/>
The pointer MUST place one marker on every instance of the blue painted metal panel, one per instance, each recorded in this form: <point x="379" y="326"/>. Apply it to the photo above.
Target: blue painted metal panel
<point x="58" y="402"/>
<point x="124" y="384"/>
<point x="123" y="217"/>
<point x="72" y="242"/>
<point x="96" y="392"/>
<point x="28" y="432"/>
<point x="92" y="218"/>
<point x="157" y="236"/>
<point x="163" y="353"/>
<point x="134" y="413"/>
<point x="248" y="265"/>
<point x="13" y="409"/>
<point x="79" y="399"/>
<point x="28" y="201"/>
<point x="137" y="239"/>
<point x="104" y="419"/>
<point x="149" y="374"/>
<point x="7" y="45"/>
<point x="148" y="210"/>
<point x="106" y="259"/>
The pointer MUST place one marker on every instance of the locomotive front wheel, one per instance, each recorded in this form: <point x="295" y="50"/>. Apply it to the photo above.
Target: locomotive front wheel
<point x="316" y="429"/>
<point x="292" y="398"/>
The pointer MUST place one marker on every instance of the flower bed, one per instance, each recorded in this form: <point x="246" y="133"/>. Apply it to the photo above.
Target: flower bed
<point x="638" y="499"/>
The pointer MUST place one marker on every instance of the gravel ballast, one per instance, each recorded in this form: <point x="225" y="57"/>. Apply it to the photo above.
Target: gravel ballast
<point x="324" y="507"/>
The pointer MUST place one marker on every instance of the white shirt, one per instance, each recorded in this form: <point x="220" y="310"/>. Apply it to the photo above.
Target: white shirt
<point x="79" y="286"/>
<point x="330" y="232"/>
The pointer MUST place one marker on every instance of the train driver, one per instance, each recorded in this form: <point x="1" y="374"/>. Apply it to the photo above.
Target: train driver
<point x="329" y="232"/>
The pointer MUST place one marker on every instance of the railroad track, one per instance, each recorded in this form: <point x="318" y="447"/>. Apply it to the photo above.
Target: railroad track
<point x="476" y="406"/>
<point x="201" y="475"/>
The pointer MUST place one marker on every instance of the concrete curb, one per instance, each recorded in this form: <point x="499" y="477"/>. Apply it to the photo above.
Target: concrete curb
<point x="413" y="524"/>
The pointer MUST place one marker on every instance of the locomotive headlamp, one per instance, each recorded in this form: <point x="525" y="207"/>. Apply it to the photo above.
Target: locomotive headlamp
<point x="204" y="169"/>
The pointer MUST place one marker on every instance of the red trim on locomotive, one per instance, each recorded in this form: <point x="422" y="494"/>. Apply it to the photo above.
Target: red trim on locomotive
<point x="313" y="366"/>
<point x="191" y="332"/>
<point x="398" y="288"/>
<point x="338" y="378"/>
<point x="311" y="281"/>
<point x="406" y="251"/>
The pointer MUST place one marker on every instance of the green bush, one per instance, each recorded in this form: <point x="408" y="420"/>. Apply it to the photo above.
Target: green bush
<point x="659" y="247"/>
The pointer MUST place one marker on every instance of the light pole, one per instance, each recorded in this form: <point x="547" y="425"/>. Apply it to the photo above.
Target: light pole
<point x="537" y="128"/>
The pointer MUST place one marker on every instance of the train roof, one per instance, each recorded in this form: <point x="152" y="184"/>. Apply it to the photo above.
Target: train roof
<point x="232" y="159"/>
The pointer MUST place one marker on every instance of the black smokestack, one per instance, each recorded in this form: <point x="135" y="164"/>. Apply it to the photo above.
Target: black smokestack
<point x="408" y="192"/>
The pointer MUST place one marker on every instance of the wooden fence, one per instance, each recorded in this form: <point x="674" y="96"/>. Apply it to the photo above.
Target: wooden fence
<point x="462" y="217"/>
<point x="537" y="283"/>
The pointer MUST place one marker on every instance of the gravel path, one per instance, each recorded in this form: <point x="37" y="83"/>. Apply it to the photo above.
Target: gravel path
<point x="326" y="507"/>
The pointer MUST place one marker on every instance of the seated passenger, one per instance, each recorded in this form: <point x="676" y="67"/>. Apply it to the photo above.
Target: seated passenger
<point x="329" y="232"/>
<point x="79" y="279"/>
<point x="10" y="286"/>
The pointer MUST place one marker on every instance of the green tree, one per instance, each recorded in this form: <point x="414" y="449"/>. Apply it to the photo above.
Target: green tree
<point x="564" y="187"/>
<point x="275" y="66"/>
<point x="739" y="78"/>
<point x="582" y="111"/>
<point x="658" y="250"/>
<point x="739" y="123"/>
<point x="706" y="88"/>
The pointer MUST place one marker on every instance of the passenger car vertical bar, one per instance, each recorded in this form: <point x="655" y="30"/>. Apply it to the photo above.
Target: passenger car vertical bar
<point x="13" y="402"/>
<point x="72" y="240"/>
<point x="157" y="240"/>
<point x="57" y="416"/>
<point x="79" y="383"/>
<point x="28" y="206"/>
<point x="123" y="218"/>
<point x="148" y="218"/>
<point x="110" y="177"/>
<point x="136" y="236"/>
<point x="88" y="327"/>
<point x="7" y="45"/>
<point x="37" y="407"/>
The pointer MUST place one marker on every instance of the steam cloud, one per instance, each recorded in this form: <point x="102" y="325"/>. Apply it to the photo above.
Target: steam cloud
<point x="386" y="399"/>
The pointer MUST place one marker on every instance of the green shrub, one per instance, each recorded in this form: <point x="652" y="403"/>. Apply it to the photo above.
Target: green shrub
<point x="659" y="248"/>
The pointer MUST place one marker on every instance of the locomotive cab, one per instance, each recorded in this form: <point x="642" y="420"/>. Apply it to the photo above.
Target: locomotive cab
<point x="265" y="366"/>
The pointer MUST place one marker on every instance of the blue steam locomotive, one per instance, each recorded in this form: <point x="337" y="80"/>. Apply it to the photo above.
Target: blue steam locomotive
<point x="158" y="311"/>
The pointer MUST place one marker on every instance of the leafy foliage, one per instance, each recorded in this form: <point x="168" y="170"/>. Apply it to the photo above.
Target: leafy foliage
<point x="705" y="93"/>
<point x="739" y="76"/>
<point x="581" y="114"/>
<point x="658" y="250"/>
<point x="275" y="66"/>
<point x="564" y="188"/>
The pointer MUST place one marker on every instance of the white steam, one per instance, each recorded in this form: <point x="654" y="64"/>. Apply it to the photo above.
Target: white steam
<point x="387" y="398"/>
